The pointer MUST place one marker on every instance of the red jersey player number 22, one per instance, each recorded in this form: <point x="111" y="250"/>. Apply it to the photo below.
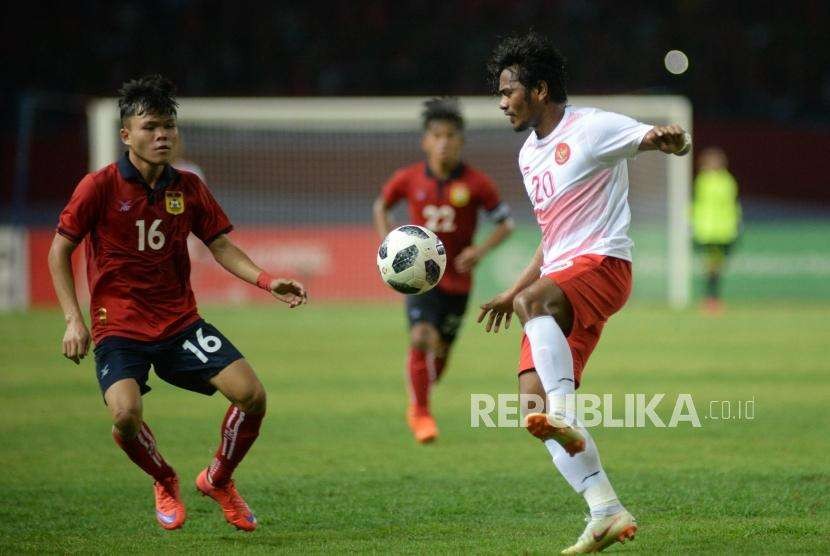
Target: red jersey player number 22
<point x="447" y="207"/>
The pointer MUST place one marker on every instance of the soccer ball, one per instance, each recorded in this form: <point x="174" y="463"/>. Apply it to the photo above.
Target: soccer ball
<point x="411" y="259"/>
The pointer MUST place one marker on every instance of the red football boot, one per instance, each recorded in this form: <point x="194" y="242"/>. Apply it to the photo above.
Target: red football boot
<point x="170" y="511"/>
<point x="236" y="511"/>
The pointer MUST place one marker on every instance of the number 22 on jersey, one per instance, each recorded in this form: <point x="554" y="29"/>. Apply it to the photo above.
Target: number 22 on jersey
<point x="439" y="219"/>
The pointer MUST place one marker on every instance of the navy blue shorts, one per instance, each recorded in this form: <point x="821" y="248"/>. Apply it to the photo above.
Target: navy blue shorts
<point x="187" y="360"/>
<point x="442" y="310"/>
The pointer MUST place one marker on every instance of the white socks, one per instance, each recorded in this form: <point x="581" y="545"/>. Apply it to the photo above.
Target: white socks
<point x="551" y="356"/>
<point x="554" y="365"/>
<point x="585" y="475"/>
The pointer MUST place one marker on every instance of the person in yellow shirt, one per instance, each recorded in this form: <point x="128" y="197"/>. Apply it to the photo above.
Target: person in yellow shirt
<point x="716" y="217"/>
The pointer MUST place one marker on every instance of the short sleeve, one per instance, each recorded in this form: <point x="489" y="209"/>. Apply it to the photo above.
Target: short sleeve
<point x="488" y="192"/>
<point x="80" y="214"/>
<point x="210" y="221"/>
<point x="497" y="210"/>
<point x="613" y="137"/>
<point x="395" y="189"/>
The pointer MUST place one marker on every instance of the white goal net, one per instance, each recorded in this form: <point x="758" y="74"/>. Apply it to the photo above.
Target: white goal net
<point x="298" y="177"/>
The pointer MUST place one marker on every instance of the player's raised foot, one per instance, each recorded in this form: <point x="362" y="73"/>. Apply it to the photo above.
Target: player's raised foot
<point x="544" y="427"/>
<point x="602" y="532"/>
<point x="236" y="511"/>
<point x="422" y="424"/>
<point x="170" y="511"/>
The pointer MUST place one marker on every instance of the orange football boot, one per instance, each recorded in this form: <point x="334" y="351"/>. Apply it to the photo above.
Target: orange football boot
<point x="544" y="427"/>
<point x="236" y="511"/>
<point x="422" y="424"/>
<point x="170" y="511"/>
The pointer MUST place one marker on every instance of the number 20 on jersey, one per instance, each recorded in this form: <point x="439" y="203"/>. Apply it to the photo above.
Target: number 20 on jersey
<point x="543" y="187"/>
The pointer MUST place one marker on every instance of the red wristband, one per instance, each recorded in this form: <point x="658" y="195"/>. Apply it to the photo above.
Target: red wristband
<point x="264" y="281"/>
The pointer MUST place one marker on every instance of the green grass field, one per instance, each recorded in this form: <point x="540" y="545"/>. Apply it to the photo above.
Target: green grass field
<point x="336" y="471"/>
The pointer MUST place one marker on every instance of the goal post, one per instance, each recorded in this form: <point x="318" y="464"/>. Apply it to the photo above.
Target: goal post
<point x="305" y="171"/>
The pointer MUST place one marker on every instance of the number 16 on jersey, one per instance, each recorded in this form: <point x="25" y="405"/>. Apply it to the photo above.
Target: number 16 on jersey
<point x="207" y="344"/>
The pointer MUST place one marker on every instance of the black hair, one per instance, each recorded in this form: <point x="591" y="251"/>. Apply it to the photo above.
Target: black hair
<point x="535" y="59"/>
<point x="445" y="109"/>
<point x="151" y="94"/>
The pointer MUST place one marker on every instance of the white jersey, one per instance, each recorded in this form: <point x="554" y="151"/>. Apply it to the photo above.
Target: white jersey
<point x="577" y="181"/>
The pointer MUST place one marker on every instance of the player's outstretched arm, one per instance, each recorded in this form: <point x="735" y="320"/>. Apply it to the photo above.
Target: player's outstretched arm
<point x="670" y="139"/>
<point x="501" y="307"/>
<point x="76" y="339"/>
<point x="471" y="255"/>
<point x="235" y="261"/>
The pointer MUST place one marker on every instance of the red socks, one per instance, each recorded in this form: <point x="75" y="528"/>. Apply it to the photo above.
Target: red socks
<point x="424" y="369"/>
<point x="239" y="430"/>
<point x="142" y="450"/>
<point x="419" y="379"/>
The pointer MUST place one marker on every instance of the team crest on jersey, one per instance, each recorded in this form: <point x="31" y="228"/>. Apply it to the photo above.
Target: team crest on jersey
<point x="174" y="202"/>
<point x="459" y="194"/>
<point x="562" y="153"/>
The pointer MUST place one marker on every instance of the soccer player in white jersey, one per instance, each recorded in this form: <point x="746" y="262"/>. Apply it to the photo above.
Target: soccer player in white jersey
<point x="574" y="169"/>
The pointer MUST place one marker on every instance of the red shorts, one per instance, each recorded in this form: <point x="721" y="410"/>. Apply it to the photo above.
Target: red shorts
<point x="597" y="287"/>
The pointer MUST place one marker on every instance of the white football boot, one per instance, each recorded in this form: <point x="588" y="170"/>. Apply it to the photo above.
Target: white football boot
<point x="602" y="532"/>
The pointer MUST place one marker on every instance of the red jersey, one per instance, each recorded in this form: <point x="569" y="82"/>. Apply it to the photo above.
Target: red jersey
<point x="449" y="208"/>
<point x="138" y="266"/>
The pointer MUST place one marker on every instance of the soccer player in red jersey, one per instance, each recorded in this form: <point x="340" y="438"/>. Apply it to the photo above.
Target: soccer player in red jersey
<point x="136" y="215"/>
<point x="444" y="195"/>
<point x="576" y="176"/>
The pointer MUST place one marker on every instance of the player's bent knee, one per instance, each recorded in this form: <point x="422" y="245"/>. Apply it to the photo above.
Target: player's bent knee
<point x="420" y="344"/>
<point x="520" y="306"/>
<point x="440" y="348"/>
<point x="254" y="400"/>
<point x="127" y="421"/>
<point x="422" y="338"/>
<point x="259" y="400"/>
<point x="527" y="306"/>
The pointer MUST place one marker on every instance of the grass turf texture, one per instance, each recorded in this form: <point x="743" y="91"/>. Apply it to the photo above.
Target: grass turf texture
<point x="336" y="470"/>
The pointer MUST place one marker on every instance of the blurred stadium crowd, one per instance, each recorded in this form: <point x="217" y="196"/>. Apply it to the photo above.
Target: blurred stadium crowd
<point x="758" y="79"/>
<point x="748" y="59"/>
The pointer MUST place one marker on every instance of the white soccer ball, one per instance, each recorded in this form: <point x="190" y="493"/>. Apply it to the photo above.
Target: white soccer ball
<point x="411" y="259"/>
